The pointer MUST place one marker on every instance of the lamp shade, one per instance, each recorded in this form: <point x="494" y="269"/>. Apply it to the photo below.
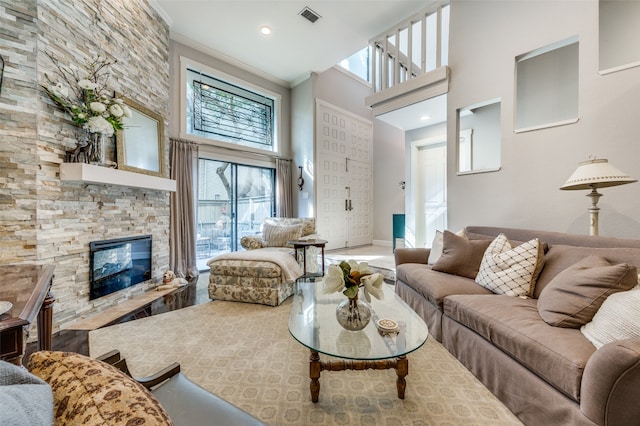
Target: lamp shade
<point x="596" y="173"/>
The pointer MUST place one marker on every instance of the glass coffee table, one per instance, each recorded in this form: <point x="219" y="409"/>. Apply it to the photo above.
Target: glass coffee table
<point x="313" y="323"/>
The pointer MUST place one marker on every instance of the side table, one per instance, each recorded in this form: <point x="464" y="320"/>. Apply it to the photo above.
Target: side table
<point x="303" y="244"/>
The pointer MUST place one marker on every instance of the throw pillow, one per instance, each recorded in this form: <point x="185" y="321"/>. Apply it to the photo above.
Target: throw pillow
<point x="572" y="297"/>
<point x="460" y="256"/>
<point x="90" y="392"/>
<point x="436" y="246"/>
<point x="25" y="400"/>
<point x="511" y="271"/>
<point x="618" y="318"/>
<point x="277" y="236"/>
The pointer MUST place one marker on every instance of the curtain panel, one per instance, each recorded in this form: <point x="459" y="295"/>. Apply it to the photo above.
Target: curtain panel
<point x="284" y="197"/>
<point x="182" y="238"/>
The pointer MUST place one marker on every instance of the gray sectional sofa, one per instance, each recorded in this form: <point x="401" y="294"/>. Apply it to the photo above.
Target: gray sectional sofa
<point x="545" y="374"/>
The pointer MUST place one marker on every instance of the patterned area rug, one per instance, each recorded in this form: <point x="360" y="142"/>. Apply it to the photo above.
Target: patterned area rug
<point x="244" y="353"/>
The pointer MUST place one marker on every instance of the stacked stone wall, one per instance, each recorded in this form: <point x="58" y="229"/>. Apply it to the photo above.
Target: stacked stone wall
<point x="18" y="131"/>
<point x="43" y="219"/>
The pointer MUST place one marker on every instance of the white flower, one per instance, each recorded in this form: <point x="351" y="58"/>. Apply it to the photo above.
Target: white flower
<point x="116" y="110"/>
<point x="373" y="285"/>
<point x="60" y="91"/>
<point x="361" y="267"/>
<point x="97" y="107"/>
<point x="82" y="115"/>
<point x="333" y="280"/>
<point x="118" y="101"/>
<point x="127" y="111"/>
<point x="98" y="124"/>
<point x="87" y="84"/>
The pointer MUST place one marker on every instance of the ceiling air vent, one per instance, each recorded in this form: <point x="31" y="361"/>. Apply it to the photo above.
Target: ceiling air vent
<point x="309" y="15"/>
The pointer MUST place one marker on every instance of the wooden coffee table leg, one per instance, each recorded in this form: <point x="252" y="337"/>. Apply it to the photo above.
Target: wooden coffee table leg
<point x="402" y="371"/>
<point x="314" y="374"/>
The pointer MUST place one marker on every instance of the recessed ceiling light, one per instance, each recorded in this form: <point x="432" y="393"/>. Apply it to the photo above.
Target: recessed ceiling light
<point x="265" y="30"/>
<point x="424" y="118"/>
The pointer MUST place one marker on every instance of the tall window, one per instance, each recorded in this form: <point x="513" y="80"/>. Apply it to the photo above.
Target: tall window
<point x="226" y="112"/>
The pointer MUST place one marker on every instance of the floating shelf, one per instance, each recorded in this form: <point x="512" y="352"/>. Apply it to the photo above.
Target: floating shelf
<point x="82" y="172"/>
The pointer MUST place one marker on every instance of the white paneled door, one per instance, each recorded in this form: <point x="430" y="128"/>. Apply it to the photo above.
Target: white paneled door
<point x="343" y="177"/>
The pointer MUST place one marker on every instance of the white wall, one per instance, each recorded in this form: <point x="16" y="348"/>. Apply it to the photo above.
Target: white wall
<point x="485" y="38"/>
<point x="302" y="129"/>
<point x="388" y="171"/>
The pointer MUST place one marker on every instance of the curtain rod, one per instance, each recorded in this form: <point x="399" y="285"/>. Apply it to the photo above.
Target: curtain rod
<point x="258" y="154"/>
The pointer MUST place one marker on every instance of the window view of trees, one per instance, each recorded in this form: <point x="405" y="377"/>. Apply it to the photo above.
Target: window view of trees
<point x="228" y="113"/>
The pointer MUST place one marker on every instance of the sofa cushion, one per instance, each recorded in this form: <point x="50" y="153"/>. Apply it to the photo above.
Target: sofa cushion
<point x="572" y="298"/>
<point x="561" y="257"/>
<point x="460" y="256"/>
<point x="618" y="318"/>
<point x="514" y="242"/>
<point x="279" y="235"/>
<point x="90" y="392"/>
<point x="435" y="286"/>
<point x="511" y="271"/>
<point x="558" y="355"/>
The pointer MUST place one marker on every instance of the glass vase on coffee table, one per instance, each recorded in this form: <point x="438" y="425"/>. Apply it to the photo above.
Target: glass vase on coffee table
<point x="313" y="323"/>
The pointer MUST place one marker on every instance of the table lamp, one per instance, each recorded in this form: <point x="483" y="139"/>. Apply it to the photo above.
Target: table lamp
<point x="593" y="174"/>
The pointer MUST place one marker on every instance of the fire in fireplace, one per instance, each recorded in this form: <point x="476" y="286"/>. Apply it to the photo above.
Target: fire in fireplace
<point x="118" y="263"/>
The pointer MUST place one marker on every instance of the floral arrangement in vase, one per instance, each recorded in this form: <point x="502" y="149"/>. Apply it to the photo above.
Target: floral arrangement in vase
<point x="84" y="95"/>
<point x="348" y="277"/>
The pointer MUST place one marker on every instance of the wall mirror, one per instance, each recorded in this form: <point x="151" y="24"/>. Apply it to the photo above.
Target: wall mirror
<point x="479" y="138"/>
<point x="140" y="144"/>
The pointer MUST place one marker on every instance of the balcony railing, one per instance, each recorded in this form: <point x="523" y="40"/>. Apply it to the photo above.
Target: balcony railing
<point x="410" y="49"/>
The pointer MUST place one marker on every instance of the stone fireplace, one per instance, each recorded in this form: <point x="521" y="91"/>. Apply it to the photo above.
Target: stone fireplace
<point x="47" y="220"/>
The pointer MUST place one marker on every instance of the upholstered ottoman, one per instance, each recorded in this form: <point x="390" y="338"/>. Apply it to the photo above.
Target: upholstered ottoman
<point x="264" y="276"/>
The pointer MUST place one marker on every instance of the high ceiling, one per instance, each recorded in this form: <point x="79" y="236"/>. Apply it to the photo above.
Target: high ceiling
<point x="296" y="46"/>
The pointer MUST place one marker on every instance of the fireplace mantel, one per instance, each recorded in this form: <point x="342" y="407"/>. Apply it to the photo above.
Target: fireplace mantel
<point x="89" y="173"/>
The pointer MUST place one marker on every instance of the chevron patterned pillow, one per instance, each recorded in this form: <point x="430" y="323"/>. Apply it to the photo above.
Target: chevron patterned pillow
<point x="511" y="271"/>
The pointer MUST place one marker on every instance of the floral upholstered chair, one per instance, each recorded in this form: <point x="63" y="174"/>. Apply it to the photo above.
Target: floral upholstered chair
<point x="276" y="231"/>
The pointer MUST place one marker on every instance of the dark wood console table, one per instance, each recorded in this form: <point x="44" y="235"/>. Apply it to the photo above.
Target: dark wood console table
<point x="28" y="288"/>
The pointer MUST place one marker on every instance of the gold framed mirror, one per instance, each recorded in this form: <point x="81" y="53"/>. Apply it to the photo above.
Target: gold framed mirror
<point x="140" y="144"/>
